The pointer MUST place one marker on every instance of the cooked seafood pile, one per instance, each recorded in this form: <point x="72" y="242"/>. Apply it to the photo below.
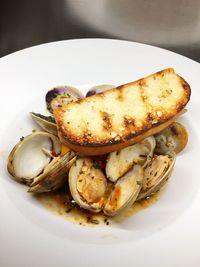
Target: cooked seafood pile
<point x="108" y="183"/>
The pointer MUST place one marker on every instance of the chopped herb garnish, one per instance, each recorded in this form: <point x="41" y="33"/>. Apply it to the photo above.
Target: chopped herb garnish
<point x="66" y="94"/>
<point x="47" y="118"/>
<point x="96" y="165"/>
<point x="91" y="220"/>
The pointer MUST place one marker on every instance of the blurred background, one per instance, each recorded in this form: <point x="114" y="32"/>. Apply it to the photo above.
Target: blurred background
<point x="172" y="24"/>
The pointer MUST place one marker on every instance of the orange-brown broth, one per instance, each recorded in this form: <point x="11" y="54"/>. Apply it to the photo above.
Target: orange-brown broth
<point x="60" y="203"/>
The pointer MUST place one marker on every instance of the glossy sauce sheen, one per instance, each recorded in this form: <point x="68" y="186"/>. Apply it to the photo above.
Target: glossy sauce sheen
<point x="115" y="197"/>
<point x="60" y="204"/>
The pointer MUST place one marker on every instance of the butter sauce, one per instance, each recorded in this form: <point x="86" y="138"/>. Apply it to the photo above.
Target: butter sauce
<point x="61" y="204"/>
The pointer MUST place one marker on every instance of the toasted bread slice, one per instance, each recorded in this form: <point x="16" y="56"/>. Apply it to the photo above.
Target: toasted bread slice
<point x="119" y="117"/>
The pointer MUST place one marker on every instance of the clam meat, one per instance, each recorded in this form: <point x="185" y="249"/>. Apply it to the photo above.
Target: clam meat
<point x="173" y="138"/>
<point x="125" y="191"/>
<point x="61" y="96"/>
<point x="120" y="162"/>
<point x="87" y="184"/>
<point x="156" y="174"/>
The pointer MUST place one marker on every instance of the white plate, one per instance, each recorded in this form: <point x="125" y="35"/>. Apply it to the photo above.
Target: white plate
<point x="166" y="234"/>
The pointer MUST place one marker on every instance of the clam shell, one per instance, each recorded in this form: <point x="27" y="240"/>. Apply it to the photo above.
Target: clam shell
<point x="62" y="95"/>
<point x="121" y="161"/>
<point x="173" y="138"/>
<point x="54" y="175"/>
<point x="99" y="89"/>
<point x="125" y="191"/>
<point x="29" y="157"/>
<point x="156" y="174"/>
<point x="87" y="185"/>
<point x="47" y="123"/>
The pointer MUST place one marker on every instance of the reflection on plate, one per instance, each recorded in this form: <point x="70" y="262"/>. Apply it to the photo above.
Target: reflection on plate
<point x="164" y="227"/>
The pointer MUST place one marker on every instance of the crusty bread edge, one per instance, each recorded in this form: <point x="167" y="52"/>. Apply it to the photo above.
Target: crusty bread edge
<point x="91" y="148"/>
<point x="100" y="150"/>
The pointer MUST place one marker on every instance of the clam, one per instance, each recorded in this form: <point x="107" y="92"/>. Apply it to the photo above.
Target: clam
<point x="47" y="123"/>
<point x="125" y="191"/>
<point x="99" y="89"/>
<point x="54" y="175"/>
<point x="87" y="184"/>
<point x="173" y="138"/>
<point x="121" y="161"/>
<point x="36" y="161"/>
<point x="31" y="155"/>
<point x="62" y="95"/>
<point x="156" y="174"/>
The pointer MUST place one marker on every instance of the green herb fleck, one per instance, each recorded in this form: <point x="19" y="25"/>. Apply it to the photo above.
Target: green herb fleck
<point x="47" y="118"/>
<point x="91" y="220"/>
<point x="96" y="165"/>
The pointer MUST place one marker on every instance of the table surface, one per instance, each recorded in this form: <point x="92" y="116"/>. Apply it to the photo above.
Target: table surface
<point x="27" y="23"/>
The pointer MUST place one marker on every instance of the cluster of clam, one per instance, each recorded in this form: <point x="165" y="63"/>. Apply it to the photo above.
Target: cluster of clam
<point x="128" y="175"/>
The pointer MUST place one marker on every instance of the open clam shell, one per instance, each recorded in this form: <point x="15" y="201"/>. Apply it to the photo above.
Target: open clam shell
<point x="125" y="191"/>
<point x="173" y="138"/>
<point x="54" y="175"/>
<point x="99" y="89"/>
<point x="120" y="162"/>
<point x="156" y="174"/>
<point x="31" y="155"/>
<point x="47" y="123"/>
<point x="87" y="184"/>
<point x="62" y="95"/>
